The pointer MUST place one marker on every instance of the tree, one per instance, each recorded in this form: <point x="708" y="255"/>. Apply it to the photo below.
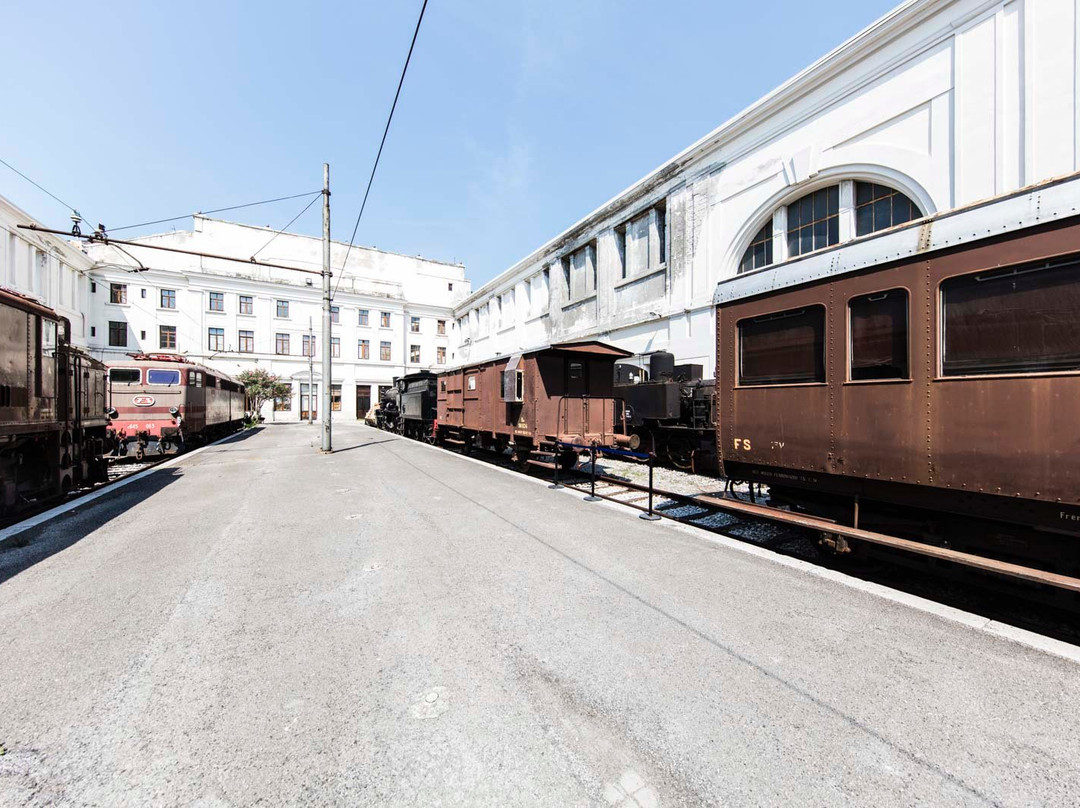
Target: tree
<point x="260" y="386"/>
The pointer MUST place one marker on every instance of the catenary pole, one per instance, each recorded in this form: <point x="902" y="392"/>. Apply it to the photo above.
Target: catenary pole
<point x="324" y="394"/>
<point x="310" y="369"/>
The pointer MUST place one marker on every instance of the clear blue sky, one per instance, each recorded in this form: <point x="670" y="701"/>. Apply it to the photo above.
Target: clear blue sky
<point x="517" y="117"/>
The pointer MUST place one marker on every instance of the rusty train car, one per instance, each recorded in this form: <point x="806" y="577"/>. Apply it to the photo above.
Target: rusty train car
<point x="53" y="421"/>
<point x="532" y="401"/>
<point x="164" y="403"/>
<point x="923" y="382"/>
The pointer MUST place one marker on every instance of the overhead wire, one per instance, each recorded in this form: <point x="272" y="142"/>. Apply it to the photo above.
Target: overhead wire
<point x="216" y="210"/>
<point x="40" y="187"/>
<point x="382" y="143"/>
<point x="286" y="227"/>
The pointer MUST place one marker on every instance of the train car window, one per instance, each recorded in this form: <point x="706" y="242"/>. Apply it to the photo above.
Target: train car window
<point x="1012" y="321"/>
<point x="125" y="375"/>
<point x="575" y="370"/>
<point x="194" y="378"/>
<point x="471" y="383"/>
<point x="783" y="348"/>
<point x="162" y="376"/>
<point x="879" y="336"/>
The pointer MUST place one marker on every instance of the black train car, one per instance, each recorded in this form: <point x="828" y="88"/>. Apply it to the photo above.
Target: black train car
<point x="670" y="414"/>
<point x="52" y="406"/>
<point x="410" y="406"/>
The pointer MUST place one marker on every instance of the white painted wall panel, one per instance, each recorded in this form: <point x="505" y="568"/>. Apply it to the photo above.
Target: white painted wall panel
<point x="1051" y="61"/>
<point x="976" y="126"/>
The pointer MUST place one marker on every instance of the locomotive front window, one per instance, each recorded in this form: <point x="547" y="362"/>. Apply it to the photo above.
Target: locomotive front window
<point x="159" y="376"/>
<point x="125" y="375"/>
<point x="879" y="336"/>
<point x="1012" y="321"/>
<point x="783" y="348"/>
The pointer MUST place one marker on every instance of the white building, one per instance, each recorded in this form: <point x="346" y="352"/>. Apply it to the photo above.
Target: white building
<point x="393" y="313"/>
<point x="939" y="104"/>
<point x="45" y="267"/>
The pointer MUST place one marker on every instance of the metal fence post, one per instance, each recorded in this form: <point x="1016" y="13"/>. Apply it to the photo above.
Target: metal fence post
<point x="592" y="476"/>
<point x="652" y="517"/>
<point x="556" y="456"/>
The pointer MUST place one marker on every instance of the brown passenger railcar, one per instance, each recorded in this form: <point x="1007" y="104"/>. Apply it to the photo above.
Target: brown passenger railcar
<point x="529" y="402"/>
<point x="934" y="395"/>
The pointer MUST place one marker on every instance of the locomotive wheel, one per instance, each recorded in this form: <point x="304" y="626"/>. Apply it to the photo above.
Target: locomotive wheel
<point x="567" y="461"/>
<point x="140" y="453"/>
<point x="521" y="460"/>
<point x="680" y="453"/>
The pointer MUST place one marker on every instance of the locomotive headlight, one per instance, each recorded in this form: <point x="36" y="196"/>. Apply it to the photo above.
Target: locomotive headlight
<point x="173" y="411"/>
<point x="111" y="413"/>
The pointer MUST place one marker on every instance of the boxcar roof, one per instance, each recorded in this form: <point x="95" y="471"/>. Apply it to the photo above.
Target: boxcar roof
<point x="1028" y="207"/>
<point x="20" y="301"/>
<point x="592" y="347"/>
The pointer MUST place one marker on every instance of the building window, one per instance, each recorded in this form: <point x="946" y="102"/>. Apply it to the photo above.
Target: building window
<point x="363" y="349"/>
<point x="879" y="336"/>
<point x="813" y="222"/>
<point x="217" y="301"/>
<point x="117" y="334"/>
<point x="167" y="337"/>
<point x="363" y="318"/>
<point x="440" y="327"/>
<point x="335" y="346"/>
<point x="335" y="314"/>
<point x="93" y="331"/>
<point x="142" y="335"/>
<point x="283" y="404"/>
<point x="414" y="354"/>
<point x="579" y="273"/>
<point x="282" y="309"/>
<point x="1011" y="321"/>
<point x="878" y="207"/>
<point x="759" y="253"/>
<point x="449" y="287"/>
<point x="335" y="397"/>
<point x="440" y="355"/>
<point x="247" y="304"/>
<point x="168" y="298"/>
<point x="93" y="288"/>
<point x="384" y="319"/>
<point x="247" y="342"/>
<point x="414" y="325"/>
<point x="783" y="348"/>
<point x="281" y="344"/>
<point x="384" y="351"/>
<point x="308" y="347"/>
<point x="642" y="242"/>
<point x="142" y="294"/>
<point x="216" y="339"/>
<point x="118" y="293"/>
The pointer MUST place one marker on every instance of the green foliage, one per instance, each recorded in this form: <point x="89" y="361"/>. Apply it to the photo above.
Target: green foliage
<point x="260" y="386"/>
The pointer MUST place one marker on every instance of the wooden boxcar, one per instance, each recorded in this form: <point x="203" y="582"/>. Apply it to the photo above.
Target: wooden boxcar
<point x="935" y="394"/>
<point x="528" y="401"/>
<point x="164" y="402"/>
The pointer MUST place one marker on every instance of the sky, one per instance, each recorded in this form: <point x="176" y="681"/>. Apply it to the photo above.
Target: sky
<point x="517" y="118"/>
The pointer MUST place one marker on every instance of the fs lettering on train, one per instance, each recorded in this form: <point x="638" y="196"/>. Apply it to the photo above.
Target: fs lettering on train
<point x="745" y="445"/>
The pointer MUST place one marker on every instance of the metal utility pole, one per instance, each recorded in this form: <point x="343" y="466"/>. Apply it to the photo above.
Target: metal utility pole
<point x="324" y="394"/>
<point x="310" y="369"/>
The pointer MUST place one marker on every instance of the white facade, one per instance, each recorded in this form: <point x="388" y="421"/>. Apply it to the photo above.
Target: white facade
<point x="44" y="267"/>
<point x="234" y="316"/>
<point x="946" y="101"/>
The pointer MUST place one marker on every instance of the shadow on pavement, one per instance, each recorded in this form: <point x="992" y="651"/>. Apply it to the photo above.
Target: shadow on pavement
<point x="45" y="540"/>
<point x="362" y="445"/>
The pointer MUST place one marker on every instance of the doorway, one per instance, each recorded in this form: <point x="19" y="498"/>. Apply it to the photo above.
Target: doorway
<point x="309" y="398"/>
<point x="363" y="400"/>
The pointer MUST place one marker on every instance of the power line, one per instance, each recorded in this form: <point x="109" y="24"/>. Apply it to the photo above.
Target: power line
<point x="39" y="187"/>
<point x="382" y="143"/>
<point x="216" y="210"/>
<point x="286" y="227"/>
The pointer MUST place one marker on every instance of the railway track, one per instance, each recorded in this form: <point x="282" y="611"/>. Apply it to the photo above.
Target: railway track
<point x="1005" y="600"/>
<point x="119" y="469"/>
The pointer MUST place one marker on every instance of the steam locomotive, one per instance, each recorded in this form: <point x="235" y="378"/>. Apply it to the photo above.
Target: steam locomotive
<point x="669" y="412"/>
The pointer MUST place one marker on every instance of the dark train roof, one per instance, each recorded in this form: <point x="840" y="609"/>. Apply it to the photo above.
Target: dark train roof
<point x="27" y="303"/>
<point x="593" y="347"/>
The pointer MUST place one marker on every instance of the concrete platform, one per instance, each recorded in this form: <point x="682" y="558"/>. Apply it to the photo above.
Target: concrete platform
<point x="394" y="625"/>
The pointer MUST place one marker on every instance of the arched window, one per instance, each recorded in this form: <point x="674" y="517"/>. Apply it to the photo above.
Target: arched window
<point x="813" y="222"/>
<point x="759" y="253"/>
<point x="878" y="207"/>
